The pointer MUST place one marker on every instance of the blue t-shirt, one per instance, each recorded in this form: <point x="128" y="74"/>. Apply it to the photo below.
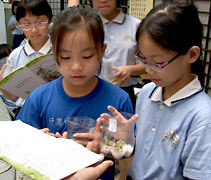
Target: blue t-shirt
<point x="49" y="106"/>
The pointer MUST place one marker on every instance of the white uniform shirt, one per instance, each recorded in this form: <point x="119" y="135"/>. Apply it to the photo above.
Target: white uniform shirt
<point x="21" y="55"/>
<point x="121" y="44"/>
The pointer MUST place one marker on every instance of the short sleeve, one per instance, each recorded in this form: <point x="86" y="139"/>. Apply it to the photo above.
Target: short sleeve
<point x="196" y="155"/>
<point x="29" y="114"/>
<point x="11" y="21"/>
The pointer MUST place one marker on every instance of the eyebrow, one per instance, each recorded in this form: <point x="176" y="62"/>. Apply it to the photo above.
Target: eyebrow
<point x="85" y="49"/>
<point x="37" y="18"/>
<point x="152" y="56"/>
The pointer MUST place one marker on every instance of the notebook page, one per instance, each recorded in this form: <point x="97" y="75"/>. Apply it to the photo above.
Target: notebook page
<point x="39" y="155"/>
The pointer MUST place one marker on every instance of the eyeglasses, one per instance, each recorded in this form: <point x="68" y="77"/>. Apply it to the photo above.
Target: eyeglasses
<point x="38" y="25"/>
<point x="155" y="66"/>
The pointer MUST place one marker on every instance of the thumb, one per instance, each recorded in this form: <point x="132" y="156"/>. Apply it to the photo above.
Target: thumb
<point x="103" y="166"/>
<point x="65" y="134"/>
<point x="134" y="118"/>
<point x="3" y="69"/>
<point x="90" y="145"/>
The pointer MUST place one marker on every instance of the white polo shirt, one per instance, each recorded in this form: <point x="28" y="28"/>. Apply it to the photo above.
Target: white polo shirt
<point x="21" y="55"/>
<point x="121" y="44"/>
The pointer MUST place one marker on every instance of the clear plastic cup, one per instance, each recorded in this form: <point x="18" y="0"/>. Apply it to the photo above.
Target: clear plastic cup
<point x="118" y="137"/>
<point x="80" y="124"/>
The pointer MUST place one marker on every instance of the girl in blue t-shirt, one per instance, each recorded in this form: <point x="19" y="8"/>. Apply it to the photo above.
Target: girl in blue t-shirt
<point x="174" y="128"/>
<point x="77" y="38"/>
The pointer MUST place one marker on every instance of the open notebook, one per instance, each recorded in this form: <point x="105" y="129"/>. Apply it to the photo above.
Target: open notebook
<point x="39" y="155"/>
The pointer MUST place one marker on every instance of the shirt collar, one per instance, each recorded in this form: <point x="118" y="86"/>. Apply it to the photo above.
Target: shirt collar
<point x="44" y="50"/>
<point x="118" y="19"/>
<point x="190" y="89"/>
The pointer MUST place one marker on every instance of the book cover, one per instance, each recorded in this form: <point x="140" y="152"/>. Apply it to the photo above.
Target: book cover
<point x="25" y="79"/>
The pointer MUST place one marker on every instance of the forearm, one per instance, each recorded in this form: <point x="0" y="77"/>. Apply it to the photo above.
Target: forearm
<point x="124" y="165"/>
<point x="136" y="70"/>
<point x="12" y="27"/>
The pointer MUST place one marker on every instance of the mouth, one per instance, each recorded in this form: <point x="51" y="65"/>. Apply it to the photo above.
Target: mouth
<point x="154" y="80"/>
<point x="78" y="77"/>
<point x="35" y="35"/>
<point x="102" y="7"/>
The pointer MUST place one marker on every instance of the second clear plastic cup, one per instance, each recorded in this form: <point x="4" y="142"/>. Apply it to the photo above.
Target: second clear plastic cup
<point x="78" y="124"/>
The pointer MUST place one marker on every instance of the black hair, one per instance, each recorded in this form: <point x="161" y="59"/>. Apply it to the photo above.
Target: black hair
<point x="175" y="26"/>
<point x="74" y="18"/>
<point x="36" y="7"/>
<point x="5" y="50"/>
<point x="14" y="4"/>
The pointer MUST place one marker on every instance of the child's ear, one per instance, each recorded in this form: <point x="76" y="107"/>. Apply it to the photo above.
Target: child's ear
<point x="50" y="21"/>
<point x="103" y="50"/>
<point x="194" y="54"/>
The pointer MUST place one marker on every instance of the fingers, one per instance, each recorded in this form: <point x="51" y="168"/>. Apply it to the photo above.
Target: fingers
<point x="3" y="68"/>
<point x="121" y="76"/>
<point x="113" y="111"/>
<point x="90" y="146"/>
<point x="2" y="71"/>
<point x="58" y="135"/>
<point x="134" y="118"/>
<point x="82" y="142"/>
<point x="120" y="116"/>
<point x="51" y="134"/>
<point x="98" y="126"/>
<point x="103" y="167"/>
<point x="45" y="130"/>
<point x="89" y="136"/>
<point x="65" y="134"/>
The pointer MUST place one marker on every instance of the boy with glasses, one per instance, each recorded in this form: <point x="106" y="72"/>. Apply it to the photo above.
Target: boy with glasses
<point x="33" y="17"/>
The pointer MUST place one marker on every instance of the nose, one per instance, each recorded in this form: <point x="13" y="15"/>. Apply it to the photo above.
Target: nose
<point x="34" y="29"/>
<point x="76" y="66"/>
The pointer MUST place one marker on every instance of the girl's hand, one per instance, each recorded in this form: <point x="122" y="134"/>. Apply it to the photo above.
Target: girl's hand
<point x="2" y="71"/>
<point x="47" y="131"/>
<point x="121" y="76"/>
<point x="124" y="126"/>
<point x="57" y="135"/>
<point x="64" y="135"/>
<point x="93" y="172"/>
<point x="95" y="137"/>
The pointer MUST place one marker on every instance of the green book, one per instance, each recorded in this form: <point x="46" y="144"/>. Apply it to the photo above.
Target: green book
<point x="34" y="73"/>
